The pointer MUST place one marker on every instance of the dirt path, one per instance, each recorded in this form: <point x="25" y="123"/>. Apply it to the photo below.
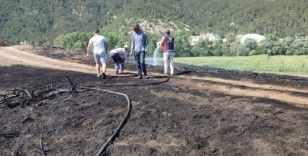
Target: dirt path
<point x="13" y="56"/>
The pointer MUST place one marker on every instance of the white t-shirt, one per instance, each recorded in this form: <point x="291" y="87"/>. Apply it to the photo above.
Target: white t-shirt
<point x="98" y="43"/>
<point x="120" y="51"/>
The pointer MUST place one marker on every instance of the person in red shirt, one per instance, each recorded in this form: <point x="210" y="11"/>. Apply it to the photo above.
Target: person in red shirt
<point x="167" y="44"/>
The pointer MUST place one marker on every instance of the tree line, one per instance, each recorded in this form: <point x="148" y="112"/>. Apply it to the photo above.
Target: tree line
<point x="272" y="45"/>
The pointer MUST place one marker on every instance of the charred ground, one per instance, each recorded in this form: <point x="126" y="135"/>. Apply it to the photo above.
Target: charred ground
<point x="172" y="117"/>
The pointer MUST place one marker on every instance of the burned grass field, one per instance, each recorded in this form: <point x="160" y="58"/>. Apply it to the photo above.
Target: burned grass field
<point x="168" y="118"/>
<point x="197" y="112"/>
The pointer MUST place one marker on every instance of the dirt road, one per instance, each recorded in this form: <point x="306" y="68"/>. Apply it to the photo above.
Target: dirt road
<point x="13" y="55"/>
<point x="195" y="113"/>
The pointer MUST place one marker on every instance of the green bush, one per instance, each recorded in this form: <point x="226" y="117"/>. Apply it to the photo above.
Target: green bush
<point x="199" y="51"/>
<point x="152" y="44"/>
<point x="217" y="50"/>
<point x="225" y="49"/>
<point x="250" y="44"/>
<point x="243" y="51"/>
<point x="245" y="48"/>
<point x="234" y="47"/>
<point x="253" y="52"/>
<point x="279" y="48"/>
<point x="298" y="47"/>
<point x="305" y="48"/>
<point x="260" y="50"/>
<point x="182" y="44"/>
<point x="231" y="47"/>
<point x="75" y="40"/>
<point x="209" y="48"/>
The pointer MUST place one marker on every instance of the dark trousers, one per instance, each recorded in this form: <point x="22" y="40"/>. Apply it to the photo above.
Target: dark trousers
<point x="140" y="60"/>
<point x="118" y="63"/>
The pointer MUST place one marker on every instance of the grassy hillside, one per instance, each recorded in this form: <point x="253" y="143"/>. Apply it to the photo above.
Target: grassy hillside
<point x="260" y="63"/>
<point x="44" y="20"/>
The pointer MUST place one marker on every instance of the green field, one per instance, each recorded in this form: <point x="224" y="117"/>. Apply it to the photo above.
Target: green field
<point x="258" y="63"/>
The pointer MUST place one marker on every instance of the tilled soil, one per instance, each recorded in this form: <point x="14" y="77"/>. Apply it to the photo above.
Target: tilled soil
<point x="179" y="116"/>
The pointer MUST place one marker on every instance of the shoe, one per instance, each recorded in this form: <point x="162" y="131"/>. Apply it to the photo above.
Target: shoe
<point x="104" y="76"/>
<point x="98" y="76"/>
<point x="146" y="77"/>
<point x="140" y="77"/>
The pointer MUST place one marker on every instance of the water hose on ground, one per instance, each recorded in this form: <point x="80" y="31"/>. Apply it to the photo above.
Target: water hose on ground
<point x="103" y="149"/>
<point x="26" y="96"/>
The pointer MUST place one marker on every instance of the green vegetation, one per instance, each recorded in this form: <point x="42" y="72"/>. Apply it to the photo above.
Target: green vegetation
<point x="68" y="24"/>
<point x="75" y="41"/>
<point x="260" y="63"/>
<point x="45" y="20"/>
<point x="271" y="46"/>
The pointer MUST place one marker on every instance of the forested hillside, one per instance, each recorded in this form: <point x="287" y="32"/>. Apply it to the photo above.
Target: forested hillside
<point x="44" y="20"/>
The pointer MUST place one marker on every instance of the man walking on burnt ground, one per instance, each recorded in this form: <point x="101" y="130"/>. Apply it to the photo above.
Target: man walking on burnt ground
<point x="167" y="45"/>
<point x="119" y="56"/>
<point x="139" y="47"/>
<point x="99" y="44"/>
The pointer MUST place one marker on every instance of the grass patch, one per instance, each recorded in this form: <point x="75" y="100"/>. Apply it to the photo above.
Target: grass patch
<point x="257" y="63"/>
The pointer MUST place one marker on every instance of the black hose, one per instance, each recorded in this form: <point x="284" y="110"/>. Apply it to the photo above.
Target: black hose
<point x="103" y="149"/>
<point x="137" y="85"/>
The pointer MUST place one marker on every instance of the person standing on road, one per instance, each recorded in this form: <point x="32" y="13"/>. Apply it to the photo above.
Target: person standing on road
<point x="99" y="44"/>
<point x="139" y="47"/>
<point x="119" y="56"/>
<point x="167" y="44"/>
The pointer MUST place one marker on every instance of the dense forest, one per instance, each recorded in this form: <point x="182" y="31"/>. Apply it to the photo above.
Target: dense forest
<point x="42" y="20"/>
<point x="51" y="21"/>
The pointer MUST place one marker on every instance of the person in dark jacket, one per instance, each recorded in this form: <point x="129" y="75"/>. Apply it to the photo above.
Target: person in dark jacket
<point x="167" y="44"/>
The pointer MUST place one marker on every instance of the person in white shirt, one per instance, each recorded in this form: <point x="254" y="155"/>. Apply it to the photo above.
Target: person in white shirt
<point x="99" y="44"/>
<point x="119" y="56"/>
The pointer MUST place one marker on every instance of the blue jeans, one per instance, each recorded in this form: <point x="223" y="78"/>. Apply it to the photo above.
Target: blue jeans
<point x="140" y="60"/>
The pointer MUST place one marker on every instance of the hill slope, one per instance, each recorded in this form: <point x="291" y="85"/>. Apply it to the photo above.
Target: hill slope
<point x="43" y="20"/>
